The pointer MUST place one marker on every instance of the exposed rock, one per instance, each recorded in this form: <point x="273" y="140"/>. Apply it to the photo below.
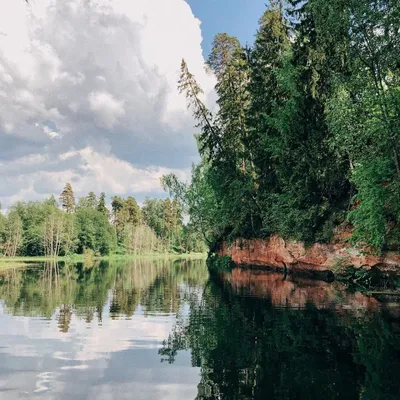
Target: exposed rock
<point x="280" y="254"/>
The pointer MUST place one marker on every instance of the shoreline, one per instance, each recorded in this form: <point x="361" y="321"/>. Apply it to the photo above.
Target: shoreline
<point x="21" y="262"/>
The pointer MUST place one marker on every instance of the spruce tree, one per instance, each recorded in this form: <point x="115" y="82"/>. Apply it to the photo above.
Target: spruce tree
<point x="267" y="57"/>
<point x="229" y="64"/>
<point x="311" y="182"/>
<point x="91" y="200"/>
<point x="67" y="199"/>
<point x="101" y="206"/>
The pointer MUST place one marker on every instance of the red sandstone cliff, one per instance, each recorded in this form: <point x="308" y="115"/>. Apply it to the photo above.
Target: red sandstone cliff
<point x="278" y="253"/>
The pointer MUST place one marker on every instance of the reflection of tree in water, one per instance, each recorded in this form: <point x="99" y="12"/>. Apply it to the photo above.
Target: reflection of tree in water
<point x="156" y="286"/>
<point x="41" y="290"/>
<point x="82" y="291"/>
<point x="247" y="349"/>
<point x="64" y="318"/>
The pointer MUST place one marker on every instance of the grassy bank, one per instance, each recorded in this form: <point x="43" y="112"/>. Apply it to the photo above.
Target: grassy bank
<point x="18" y="262"/>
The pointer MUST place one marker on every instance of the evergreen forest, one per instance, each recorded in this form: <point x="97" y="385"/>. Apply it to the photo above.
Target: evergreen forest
<point x="304" y="140"/>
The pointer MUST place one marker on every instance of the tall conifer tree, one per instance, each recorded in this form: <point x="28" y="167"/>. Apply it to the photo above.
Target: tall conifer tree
<point x="67" y="199"/>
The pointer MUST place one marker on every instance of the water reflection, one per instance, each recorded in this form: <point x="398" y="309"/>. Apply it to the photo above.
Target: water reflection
<point x="74" y="289"/>
<point x="77" y="332"/>
<point x="100" y="332"/>
<point x="260" y="336"/>
<point x="295" y="291"/>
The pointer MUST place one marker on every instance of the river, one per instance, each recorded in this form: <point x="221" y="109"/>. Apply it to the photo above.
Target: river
<point x="163" y="329"/>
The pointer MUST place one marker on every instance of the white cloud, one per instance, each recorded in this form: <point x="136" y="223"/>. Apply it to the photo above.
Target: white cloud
<point x="106" y="108"/>
<point x="37" y="176"/>
<point x="96" y="79"/>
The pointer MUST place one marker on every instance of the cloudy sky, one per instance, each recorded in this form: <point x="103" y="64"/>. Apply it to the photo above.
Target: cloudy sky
<point x="88" y="91"/>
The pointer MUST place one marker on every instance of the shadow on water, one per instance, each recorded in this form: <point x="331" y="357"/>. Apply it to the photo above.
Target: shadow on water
<point x="265" y="336"/>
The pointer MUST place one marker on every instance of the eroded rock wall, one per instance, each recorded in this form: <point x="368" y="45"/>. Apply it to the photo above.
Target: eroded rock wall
<point x="278" y="253"/>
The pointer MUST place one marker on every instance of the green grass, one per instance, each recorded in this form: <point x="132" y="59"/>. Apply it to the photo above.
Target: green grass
<point x="18" y="262"/>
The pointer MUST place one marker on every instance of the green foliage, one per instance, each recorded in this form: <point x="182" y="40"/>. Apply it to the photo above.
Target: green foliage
<point x="12" y="235"/>
<point x="32" y="216"/>
<point x="67" y="199"/>
<point x="91" y="200"/>
<point x="3" y="230"/>
<point x="369" y="214"/>
<point x="217" y="263"/>
<point x="102" y="207"/>
<point x="306" y="135"/>
<point x="153" y="214"/>
<point x="95" y="232"/>
<point x="199" y="201"/>
<point x="124" y="211"/>
<point x="35" y="229"/>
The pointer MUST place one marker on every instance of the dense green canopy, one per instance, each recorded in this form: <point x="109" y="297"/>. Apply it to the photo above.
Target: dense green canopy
<point x="87" y="226"/>
<point x="306" y="136"/>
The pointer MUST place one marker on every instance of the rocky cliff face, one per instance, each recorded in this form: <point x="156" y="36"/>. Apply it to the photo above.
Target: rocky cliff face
<point x="280" y="254"/>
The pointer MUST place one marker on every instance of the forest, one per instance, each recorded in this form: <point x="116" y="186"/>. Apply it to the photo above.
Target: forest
<point x="50" y="228"/>
<point x="305" y="136"/>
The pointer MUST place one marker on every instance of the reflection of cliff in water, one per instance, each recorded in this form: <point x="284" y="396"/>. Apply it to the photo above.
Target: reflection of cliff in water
<point x="261" y="337"/>
<point x="294" y="291"/>
<point x="84" y="291"/>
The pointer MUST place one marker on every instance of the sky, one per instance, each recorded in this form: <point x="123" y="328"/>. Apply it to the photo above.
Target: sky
<point x="88" y="91"/>
<point x="236" y="17"/>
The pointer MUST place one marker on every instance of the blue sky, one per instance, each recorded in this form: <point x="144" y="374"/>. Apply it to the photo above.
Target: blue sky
<point x="235" y="17"/>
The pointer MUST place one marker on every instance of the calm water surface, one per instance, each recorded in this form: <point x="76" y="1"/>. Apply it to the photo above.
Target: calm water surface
<point x="167" y="330"/>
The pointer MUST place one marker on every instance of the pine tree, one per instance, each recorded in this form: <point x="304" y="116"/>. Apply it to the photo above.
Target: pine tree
<point x="209" y="141"/>
<point x="117" y="204"/>
<point x="131" y="211"/>
<point x="67" y="199"/>
<point x="102" y="207"/>
<point x="91" y="200"/>
<point x="266" y="58"/>
<point x="229" y="64"/>
<point x="125" y="212"/>
<point x="232" y="173"/>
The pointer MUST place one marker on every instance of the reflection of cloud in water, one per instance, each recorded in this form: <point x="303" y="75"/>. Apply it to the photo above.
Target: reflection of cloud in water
<point x="44" y="380"/>
<point x="87" y="341"/>
<point x="143" y="392"/>
<point x="90" y="349"/>
<point x="83" y="366"/>
<point x="118" y="335"/>
<point x="112" y="356"/>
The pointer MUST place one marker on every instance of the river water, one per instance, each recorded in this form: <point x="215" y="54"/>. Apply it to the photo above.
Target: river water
<point x="162" y="329"/>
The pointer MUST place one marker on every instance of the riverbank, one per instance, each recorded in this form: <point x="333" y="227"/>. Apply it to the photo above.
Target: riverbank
<point x="20" y="262"/>
<point x="336" y="258"/>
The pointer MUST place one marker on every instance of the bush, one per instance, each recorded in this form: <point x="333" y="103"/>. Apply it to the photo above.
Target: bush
<point x="217" y="263"/>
